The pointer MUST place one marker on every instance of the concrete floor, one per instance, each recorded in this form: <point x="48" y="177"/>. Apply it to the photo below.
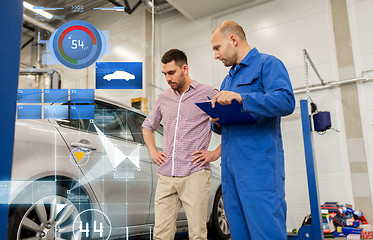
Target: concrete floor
<point x="184" y="236"/>
<point x="179" y="236"/>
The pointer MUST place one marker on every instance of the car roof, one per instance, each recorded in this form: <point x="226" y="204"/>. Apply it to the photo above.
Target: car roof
<point x="103" y="99"/>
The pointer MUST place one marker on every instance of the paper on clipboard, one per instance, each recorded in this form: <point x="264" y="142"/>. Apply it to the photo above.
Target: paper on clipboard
<point x="227" y="114"/>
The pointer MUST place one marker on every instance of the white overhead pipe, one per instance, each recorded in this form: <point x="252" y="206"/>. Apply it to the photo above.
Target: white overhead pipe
<point x="333" y="84"/>
<point x="37" y="23"/>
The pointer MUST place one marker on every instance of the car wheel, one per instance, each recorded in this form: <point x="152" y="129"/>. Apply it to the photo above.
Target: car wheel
<point x="50" y="217"/>
<point x="219" y="228"/>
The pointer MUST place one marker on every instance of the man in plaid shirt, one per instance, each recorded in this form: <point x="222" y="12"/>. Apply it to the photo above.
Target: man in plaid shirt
<point x="184" y="175"/>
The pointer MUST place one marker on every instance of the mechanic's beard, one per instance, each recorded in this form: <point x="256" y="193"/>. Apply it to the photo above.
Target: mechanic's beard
<point x="231" y="57"/>
<point x="229" y="61"/>
<point x="227" y="64"/>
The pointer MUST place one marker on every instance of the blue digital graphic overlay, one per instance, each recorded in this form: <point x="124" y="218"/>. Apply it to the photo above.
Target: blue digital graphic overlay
<point x="16" y="192"/>
<point x="82" y="111"/>
<point x="29" y="112"/>
<point x="56" y="95"/>
<point x="29" y="96"/>
<point x="77" y="44"/>
<point x="56" y="112"/>
<point x="4" y="192"/>
<point x="82" y="95"/>
<point x="118" y="75"/>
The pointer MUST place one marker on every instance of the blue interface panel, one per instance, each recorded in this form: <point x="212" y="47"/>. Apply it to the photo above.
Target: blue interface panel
<point x="82" y="111"/>
<point x="29" y="112"/>
<point x="56" y="112"/>
<point x="29" y="96"/>
<point x="82" y="95"/>
<point x="35" y="106"/>
<point x="56" y="95"/>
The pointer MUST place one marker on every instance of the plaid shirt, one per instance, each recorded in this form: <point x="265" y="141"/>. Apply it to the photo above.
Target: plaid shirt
<point x="186" y="128"/>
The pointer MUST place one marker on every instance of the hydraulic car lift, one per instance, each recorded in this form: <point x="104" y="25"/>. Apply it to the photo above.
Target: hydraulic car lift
<point x="314" y="231"/>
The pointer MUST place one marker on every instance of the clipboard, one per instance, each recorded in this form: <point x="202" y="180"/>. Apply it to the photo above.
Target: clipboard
<point x="227" y="114"/>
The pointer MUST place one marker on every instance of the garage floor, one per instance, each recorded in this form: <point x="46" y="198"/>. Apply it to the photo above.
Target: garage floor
<point x="179" y="236"/>
<point x="184" y="236"/>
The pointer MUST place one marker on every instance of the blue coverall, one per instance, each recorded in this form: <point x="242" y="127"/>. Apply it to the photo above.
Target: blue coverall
<point x="252" y="156"/>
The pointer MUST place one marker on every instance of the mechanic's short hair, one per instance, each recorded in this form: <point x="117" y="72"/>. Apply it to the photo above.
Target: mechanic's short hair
<point x="176" y="55"/>
<point x="229" y="27"/>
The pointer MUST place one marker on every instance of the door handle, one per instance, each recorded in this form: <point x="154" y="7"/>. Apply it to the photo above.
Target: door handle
<point x="83" y="146"/>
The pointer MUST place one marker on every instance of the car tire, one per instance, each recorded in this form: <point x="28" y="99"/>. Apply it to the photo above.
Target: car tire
<point x="218" y="225"/>
<point x="50" y="217"/>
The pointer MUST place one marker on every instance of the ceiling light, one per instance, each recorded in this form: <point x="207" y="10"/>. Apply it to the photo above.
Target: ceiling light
<point x="39" y="11"/>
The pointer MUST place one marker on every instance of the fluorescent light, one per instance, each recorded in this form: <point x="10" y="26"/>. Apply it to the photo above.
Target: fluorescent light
<point x="118" y="9"/>
<point x="39" y="11"/>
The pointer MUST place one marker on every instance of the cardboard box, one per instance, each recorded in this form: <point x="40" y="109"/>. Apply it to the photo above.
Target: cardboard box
<point x="367" y="232"/>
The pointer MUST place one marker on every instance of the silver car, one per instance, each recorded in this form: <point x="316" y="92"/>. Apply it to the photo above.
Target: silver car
<point x="91" y="179"/>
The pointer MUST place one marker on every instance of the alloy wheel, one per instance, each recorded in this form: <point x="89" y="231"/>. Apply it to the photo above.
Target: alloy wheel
<point x="49" y="218"/>
<point x="222" y="219"/>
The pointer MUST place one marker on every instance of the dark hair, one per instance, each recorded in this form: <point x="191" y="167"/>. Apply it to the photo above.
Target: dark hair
<point x="175" y="55"/>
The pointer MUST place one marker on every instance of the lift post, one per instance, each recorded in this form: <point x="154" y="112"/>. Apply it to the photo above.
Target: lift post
<point x="10" y="48"/>
<point x="314" y="231"/>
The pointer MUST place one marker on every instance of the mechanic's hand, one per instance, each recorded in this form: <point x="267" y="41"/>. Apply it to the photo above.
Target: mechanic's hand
<point x="225" y="98"/>
<point x="158" y="157"/>
<point x="204" y="157"/>
<point x="215" y="122"/>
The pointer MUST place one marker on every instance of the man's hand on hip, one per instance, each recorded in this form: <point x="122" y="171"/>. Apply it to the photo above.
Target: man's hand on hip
<point x="215" y="122"/>
<point x="225" y="98"/>
<point x="204" y="157"/>
<point x="158" y="157"/>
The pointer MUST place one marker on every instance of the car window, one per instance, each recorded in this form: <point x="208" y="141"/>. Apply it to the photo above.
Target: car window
<point x="138" y="120"/>
<point x="111" y="120"/>
<point x="158" y="138"/>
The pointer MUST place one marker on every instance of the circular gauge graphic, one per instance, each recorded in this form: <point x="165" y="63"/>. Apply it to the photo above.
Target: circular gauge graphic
<point x="99" y="226"/>
<point x="77" y="44"/>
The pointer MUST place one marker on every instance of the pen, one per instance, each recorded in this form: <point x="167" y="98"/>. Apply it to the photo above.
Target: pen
<point x="208" y="98"/>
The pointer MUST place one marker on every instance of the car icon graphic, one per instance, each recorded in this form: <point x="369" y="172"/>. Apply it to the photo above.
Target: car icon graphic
<point x="119" y="75"/>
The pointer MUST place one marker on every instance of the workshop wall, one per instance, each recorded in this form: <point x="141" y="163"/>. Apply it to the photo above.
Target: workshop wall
<point x="281" y="28"/>
<point x="361" y="34"/>
<point x="366" y="109"/>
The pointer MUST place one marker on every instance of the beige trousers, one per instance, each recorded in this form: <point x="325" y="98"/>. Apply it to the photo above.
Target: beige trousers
<point x="191" y="192"/>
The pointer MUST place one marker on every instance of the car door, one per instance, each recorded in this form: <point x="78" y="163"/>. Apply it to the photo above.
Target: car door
<point x="137" y="120"/>
<point x="111" y="164"/>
